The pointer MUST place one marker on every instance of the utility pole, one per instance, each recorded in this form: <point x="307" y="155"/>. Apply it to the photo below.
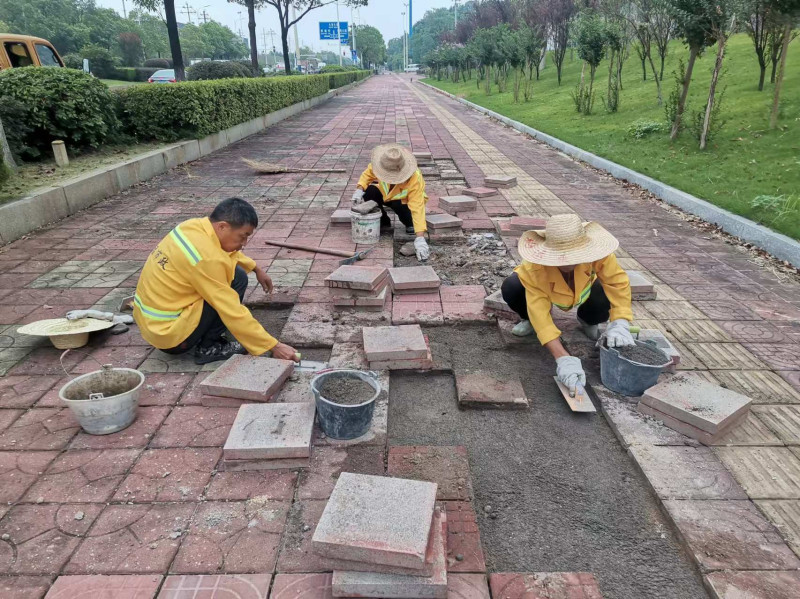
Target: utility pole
<point x="296" y="41"/>
<point x="353" y="27"/>
<point x="124" y="12"/>
<point x="205" y="16"/>
<point x="410" y="28"/>
<point x="338" y="34"/>
<point x="189" y="12"/>
<point x="405" y="56"/>
<point x="455" y="13"/>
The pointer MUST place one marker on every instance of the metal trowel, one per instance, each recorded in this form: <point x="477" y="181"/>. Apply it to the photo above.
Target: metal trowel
<point x="309" y="365"/>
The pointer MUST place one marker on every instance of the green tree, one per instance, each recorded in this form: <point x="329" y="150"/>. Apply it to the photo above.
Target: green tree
<point x="221" y="43"/>
<point x="591" y="36"/>
<point x="130" y="45"/>
<point x="394" y="52"/>
<point x="428" y="32"/>
<point x="252" y="5"/>
<point x="153" y="31"/>
<point x="789" y="11"/>
<point x="370" y="45"/>
<point x="172" y="32"/>
<point x="193" y="43"/>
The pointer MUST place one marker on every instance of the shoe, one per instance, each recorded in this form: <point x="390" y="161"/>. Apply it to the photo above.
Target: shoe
<point x="592" y="331"/>
<point x="522" y="329"/>
<point x="221" y="350"/>
<point x="386" y="223"/>
<point x="410" y="230"/>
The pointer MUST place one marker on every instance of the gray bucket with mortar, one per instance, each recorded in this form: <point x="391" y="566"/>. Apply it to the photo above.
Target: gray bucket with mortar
<point x="626" y="376"/>
<point x="104" y="401"/>
<point x="340" y="421"/>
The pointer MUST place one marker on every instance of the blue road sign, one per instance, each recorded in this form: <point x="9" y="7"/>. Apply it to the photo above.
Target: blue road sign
<point x="327" y="31"/>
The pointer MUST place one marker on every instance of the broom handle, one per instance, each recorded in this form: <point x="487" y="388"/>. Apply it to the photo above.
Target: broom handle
<point x="308" y="248"/>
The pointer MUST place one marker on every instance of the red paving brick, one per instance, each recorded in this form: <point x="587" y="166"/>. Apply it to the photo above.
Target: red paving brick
<point x="163" y="389"/>
<point x="464" y="548"/>
<point x="24" y="391"/>
<point x="39" y="429"/>
<point x="302" y="586"/>
<point x="327" y="463"/>
<point x="272" y="485"/>
<point x="550" y="585"/>
<point x="24" y="587"/>
<point x="232" y="586"/>
<point x="195" y="426"/>
<point x="18" y="470"/>
<point x="169" y="475"/>
<point x="105" y="587"/>
<point x="137" y="434"/>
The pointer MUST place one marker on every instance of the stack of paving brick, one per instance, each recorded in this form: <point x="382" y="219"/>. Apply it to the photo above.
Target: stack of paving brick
<point x="500" y="181"/>
<point x="642" y="289"/>
<point x="443" y="224"/>
<point x="385" y="538"/>
<point x="695" y="407"/>
<point x="495" y="304"/>
<point x="410" y="280"/>
<point x="517" y="225"/>
<point x="401" y="347"/>
<point x="242" y="379"/>
<point x="363" y="288"/>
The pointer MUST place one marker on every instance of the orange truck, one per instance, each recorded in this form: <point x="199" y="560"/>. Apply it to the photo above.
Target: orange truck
<point x="27" y="51"/>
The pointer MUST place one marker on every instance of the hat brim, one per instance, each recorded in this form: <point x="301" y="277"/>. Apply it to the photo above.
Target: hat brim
<point x="599" y="244"/>
<point x="393" y="177"/>
<point x="55" y="327"/>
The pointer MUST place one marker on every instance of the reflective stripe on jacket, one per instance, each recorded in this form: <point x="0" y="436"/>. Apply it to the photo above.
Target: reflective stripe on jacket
<point x="411" y="193"/>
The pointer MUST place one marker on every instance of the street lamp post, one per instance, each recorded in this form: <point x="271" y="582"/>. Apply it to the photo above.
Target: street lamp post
<point x="403" y="15"/>
<point x="455" y="13"/>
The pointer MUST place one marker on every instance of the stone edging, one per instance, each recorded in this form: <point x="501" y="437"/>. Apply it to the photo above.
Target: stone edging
<point x="50" y="204"/>
<point x="777" y="244"/>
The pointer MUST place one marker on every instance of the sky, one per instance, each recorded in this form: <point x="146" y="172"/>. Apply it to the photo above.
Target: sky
<point x="381" y="14"/>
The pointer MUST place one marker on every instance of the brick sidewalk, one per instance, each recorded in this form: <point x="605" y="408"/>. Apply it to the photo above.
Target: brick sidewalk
<point x="149" y="501"/>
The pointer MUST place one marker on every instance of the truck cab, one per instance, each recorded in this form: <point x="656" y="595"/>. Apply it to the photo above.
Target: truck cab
<point x="18" y="51"/>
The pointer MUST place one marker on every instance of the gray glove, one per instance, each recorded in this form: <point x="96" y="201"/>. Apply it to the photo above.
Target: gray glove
<point x="422" y="249"/>
<point x="97" y="314"/>
<point x="618" y="333"/>
<point x="570" y="373"/>
<point x="358" y="196"/>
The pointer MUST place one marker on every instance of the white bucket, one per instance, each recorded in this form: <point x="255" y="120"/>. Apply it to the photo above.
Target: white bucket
<point x="366" y="228"/>
<point x="104" y="401"/>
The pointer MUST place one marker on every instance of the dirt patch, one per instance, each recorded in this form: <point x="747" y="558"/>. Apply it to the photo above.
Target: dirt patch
<point x="643" y="354"/>
<point x="346" y="391"/>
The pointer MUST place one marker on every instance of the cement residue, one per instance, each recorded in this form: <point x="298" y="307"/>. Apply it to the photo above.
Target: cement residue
<point x="346" y="390"/>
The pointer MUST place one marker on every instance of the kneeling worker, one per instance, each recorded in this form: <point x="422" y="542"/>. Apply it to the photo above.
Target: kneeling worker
<point x="192" y="287"/>
<point x="570" y="264"/>
<point x="392" y="179"/>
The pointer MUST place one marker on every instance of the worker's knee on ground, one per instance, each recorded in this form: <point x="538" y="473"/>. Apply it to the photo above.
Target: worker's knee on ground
<point x="240" y="281"/>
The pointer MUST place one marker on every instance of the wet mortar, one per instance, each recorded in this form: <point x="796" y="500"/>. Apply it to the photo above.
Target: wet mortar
<point x="643" y="353"/>
<point x="563" y="494"/>
<point x="346" y="390"/>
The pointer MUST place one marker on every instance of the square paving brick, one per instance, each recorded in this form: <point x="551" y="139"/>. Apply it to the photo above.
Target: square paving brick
<point x="164" y="389"/>
<point x="464" y="549"/>
<point x="436" y="222"/>
<point x="418" y="312"/>
<point x="342" y="216"/>
<point x="770" y="585"/>
<point x="377" y="520"/>
<point x="233" y="537"/>
<point x="404" y="342"/>
<point x="85" y="476"/>
<point x="480" y="389"/>
<point x="195" y="426"/>
<point x="169" y="475"/>
<point x="132" y="539"/>
<point x="641" y="287"/>
<point x="414" y="277"/>
<point x="544" y="585"/>
<point x="40" y="429"/>
<point x="681" y="427"/>
<point x="248" y="377"/>
<point x="303" y="586"/>
<point x="105" y="587"/>
<point x="24" y="587"/>
<point x="365" y="278"/>
<point x="697" y="402"/>
<point x="271" y="431"/>
<point x="500" y="181"/>
<point x="25" y="390"/>
<point x="381" y="585"/>
<point x="232" y="586"/>
<point x="785" y="515"/>
<point x="696" y="331"/>
<point x="137" y="434"/>
<point x="750" y="431"/>
<point x="41" y="538"/>
<point x="19" y="469"/>
<point x="763" y="386"/>
<point x="784" y="421"/>
<point x="448" y="467"/>
<point x="730" y="535"/>
<point x="462" y="293"/>
<point x="456" y="204"/>
<point x="327" y="464"/>
<point x="294" y="464"/>
<point x="674" y="311"/>
<point x="235" y="486"/>
<point x="479" y="192"/>
<point x="780" y="357"/>
<point x="686" y="473"/>
<point x="520" y="224"/>
<point x="726" y="356"/>
<point x="764" y="472"/>
<point x="467" y="586"/>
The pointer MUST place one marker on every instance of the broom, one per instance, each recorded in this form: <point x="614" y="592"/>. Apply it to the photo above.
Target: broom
<point x="270" y="168"/>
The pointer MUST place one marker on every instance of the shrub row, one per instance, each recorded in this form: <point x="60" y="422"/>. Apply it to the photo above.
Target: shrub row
<point x="133" y="73"/>
<point x="198" y="108"/>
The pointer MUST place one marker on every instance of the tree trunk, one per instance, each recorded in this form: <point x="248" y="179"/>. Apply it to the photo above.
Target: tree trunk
<point x="251" y="26"/>
<point x="661" y="72"/>
<point x="684" y="93"/>
<point x="657" y="80"/>
<point x="287" y="65"/>
<point x="776" y="98"/>
<point x="722" y="40"/>
<point x="774" y="70"/>
<point x="587" y="107"/>
<point x="762" y="75"/>
<point x="174" y="40"/>
<point x="5" y="149"/>
<point x="611" y="66"/>
<point x="644" y="69"/>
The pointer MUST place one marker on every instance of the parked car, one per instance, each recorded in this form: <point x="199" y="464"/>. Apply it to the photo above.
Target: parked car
<point x="26" y="51"/>
<point x="163" y="76"/>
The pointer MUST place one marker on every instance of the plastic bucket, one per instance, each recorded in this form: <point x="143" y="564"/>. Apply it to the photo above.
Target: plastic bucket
<point x="625" y="376"/>
<point x="340" y="421"/>
<point x="111" y="412"/>
<point x="365" y="228"/>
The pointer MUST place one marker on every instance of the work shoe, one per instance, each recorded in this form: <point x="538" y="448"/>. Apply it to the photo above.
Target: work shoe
<point x="386" y="223"/>
<point x="410" y="230"/>
<point x="592" y="331"/>
<point x="222" y="350"/>
<point x="522" y="329"/>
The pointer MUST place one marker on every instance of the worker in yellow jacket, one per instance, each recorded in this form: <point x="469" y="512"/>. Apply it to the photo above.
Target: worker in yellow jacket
<point x="570" y="264"/>
<point x="392" y="179"/>
<point x="192" y="287"/>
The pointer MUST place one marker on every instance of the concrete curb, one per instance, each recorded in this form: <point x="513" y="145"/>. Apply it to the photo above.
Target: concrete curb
<point x="777" y="244"/>
<point x="50" y="204"/>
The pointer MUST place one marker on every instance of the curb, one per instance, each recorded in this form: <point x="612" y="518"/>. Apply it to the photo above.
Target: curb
<point x="777" y="244"/>
<point x="50" y="204"/>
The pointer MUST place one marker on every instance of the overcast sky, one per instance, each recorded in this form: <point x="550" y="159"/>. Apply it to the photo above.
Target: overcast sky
<point x="382" y="14"/>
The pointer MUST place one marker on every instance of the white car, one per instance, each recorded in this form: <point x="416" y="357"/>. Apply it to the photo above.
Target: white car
<point x="412" y="68"/>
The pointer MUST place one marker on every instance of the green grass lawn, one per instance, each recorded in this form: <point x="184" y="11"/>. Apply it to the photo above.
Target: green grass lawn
<point x="743" y="161"/>
<point x="116" y="83"/>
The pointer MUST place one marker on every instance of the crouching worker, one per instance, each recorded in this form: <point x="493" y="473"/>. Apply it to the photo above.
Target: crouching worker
<point x="192" y="287"/>
<point x="392" y="179"/>
<point x="570" y="264"/>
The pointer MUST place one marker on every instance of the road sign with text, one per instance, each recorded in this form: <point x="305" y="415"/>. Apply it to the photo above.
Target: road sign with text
<point x="327" y="31"/>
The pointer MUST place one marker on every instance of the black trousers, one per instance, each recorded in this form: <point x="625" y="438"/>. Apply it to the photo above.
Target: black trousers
<point x="594" y="310"/>
<point x="400" y="209"/>
<point x="210" y="328"/>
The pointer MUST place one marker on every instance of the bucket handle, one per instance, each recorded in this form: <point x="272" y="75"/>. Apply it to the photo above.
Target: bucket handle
<point x="66" y="351"/>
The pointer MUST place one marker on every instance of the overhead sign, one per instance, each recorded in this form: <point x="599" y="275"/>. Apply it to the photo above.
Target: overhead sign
<point x="327" y="31"/>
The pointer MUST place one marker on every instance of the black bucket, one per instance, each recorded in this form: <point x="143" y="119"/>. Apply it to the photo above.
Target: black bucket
<point x="340" y="421"/>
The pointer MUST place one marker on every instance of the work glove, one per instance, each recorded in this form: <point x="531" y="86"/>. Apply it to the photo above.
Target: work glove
<point x="570" y="373"/>
<point x="358" y="196"/>
<point x="99" y="315"/>
<point x="422" y="249"/>
<point x="618" y="334"/>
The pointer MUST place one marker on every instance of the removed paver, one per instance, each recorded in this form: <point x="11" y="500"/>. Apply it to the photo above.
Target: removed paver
<point x="495" y="303"/>
<point x="378" y="520"/>
<point x="366" y="278"/>
<point x="456" y="204"/>
<point x="271" y="431"/>
<point x="248" y="377"/>
<point x="504" y="181"/>
<point x="437" y="222"/>
<point x="414" y="278"/>
<point x="479" y="192"/>
<point x="404" y="342"/>
<point x="642" y="289"/>
<point x="520" y="224"/>
<point x="544" y="585"/>
<point x="342" y="216"/>
<point x="479" y="389"/>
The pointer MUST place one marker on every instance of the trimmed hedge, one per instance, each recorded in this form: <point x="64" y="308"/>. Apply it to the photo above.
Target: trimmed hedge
<point x="194" y="109"/>
<point x="158" y="63"/>
<point x="133" y="73"/>
<point x="210" y="70"/>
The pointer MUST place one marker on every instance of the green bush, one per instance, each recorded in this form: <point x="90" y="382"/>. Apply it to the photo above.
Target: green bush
<point x="195" y="109"/>
<point x="60" y="104"/>
<point x="642" y="128"/>
<point x="13" y="114"/>
<point x="133" y="73"/>
<point x="73" y="61"/>
<point x="211" y="69"/>
<point x="101" y="62"/>
<point x="158" y="63"/>
<point x="335" y="68"/>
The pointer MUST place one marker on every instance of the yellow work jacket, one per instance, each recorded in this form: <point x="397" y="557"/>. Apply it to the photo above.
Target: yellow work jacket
<point x="411" y="193"/>
<point x="189" y="267"/>
<point x="545" y="287"/>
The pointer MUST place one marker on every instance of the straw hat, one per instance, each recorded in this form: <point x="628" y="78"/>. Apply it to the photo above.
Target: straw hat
<point x="393" y="163"/>
<point x="566" y="240"/>
<point x="66" y="334"/>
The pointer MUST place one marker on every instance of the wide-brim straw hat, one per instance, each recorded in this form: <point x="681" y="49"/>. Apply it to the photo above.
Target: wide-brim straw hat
<point x="566" y="241"/>
<point x="393" y="163"/>
<point x="64" y="333"/>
